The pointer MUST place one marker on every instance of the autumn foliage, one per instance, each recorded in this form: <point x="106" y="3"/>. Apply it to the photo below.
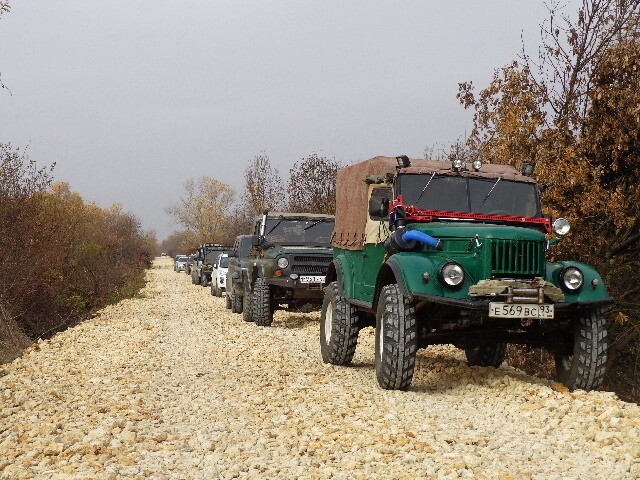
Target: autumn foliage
<point x="60" y="256"/>
<point x="574" y="112"/>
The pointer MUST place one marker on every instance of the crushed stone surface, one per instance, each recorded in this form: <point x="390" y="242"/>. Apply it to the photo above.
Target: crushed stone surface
<point x="171" y="385"/>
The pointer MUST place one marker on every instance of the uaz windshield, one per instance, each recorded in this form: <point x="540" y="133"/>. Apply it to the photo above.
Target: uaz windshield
<point x="224" y="262"/>
<point x="299" y="232"/>
<point x="469" y="194"/>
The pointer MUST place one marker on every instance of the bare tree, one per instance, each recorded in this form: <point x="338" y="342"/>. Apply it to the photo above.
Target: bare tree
<point x="263" y="187"/>
<point x="312" y="185"/>
<point x="571" y="50"/>
<point x="204" y="208"/>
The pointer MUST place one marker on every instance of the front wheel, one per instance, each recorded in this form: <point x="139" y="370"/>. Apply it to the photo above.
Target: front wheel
<point x="338" y="328"/>
<point x="583" y="368"/>
<point x="490" y="355"/>
<point x="396" y="339"/>
<point x="203" y="281"/>
<point x="262" y="304"/>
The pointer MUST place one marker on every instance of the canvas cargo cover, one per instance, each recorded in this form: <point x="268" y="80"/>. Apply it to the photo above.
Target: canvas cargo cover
<point x="352" y="192"/>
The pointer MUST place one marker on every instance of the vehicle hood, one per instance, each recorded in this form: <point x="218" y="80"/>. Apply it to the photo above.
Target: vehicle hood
<point x="467" y="230"/>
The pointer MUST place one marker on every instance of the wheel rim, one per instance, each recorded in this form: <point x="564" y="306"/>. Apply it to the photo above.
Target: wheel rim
<point x="328" y="323"/>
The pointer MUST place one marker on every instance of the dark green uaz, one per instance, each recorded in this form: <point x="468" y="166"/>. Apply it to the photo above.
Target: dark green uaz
<point x="455" y="253"/>
<point x="293" y="253"/>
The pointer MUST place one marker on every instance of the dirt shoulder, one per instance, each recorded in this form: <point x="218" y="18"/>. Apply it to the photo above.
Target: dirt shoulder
<point x="173" y="385"/>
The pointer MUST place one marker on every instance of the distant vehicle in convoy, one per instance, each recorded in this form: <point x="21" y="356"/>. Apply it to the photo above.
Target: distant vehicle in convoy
<point x="291" y="253"/>
<point x="242" y="259"/>
<point x="454" y="253"/>
<point x="219" y="275"/>
<point x="203" y="262"/>
<point x="180" y="263"/>
<point x="189" y="263"/>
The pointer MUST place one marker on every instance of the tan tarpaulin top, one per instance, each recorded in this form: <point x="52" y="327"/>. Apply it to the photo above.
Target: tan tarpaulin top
<point x="352" y="196"/>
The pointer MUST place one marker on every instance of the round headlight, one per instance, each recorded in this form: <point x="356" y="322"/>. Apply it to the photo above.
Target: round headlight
<point x="452" y="274"/>
<point x="561" y="226"/>
<point x="283" y="262"/>
<point x="477" y="164"/>
<point x="572" y="279"/>
<point x="457" y="164"/>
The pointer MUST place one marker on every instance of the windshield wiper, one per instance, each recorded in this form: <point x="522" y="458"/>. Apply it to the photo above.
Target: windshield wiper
<point x="315" y="223"/>
<point x="494" y="186"/>
<point x="425" y="187"/>
<point x="274" y="227"/>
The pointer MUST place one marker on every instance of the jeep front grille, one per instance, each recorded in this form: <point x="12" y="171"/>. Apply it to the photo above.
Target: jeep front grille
<point x="312" y="259"/>
<point x="309" y="269"/>
<point x="517" y="257"/>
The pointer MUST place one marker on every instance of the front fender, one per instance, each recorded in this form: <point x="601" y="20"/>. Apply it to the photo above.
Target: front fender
<point x="588" y="292"/>
<point x="409" y="268"/>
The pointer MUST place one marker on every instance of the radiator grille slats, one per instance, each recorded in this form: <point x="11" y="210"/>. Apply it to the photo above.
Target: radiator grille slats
<point x="517" y="257"/>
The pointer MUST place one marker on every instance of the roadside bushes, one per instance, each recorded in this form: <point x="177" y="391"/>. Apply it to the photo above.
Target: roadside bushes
<point x="60" y="256"/>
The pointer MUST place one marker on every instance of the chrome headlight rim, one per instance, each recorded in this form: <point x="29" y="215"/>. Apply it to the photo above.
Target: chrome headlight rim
<point x="282" y="262"/>
<point x="443" y="276"/>
<point x="561" y="226"/>
<point x="563" y="282"/>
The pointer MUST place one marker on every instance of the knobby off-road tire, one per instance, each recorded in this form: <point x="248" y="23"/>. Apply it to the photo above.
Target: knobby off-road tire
<point x="227" y="301"/>
<point x="236" y="303"/>
<point x="247" y="312"/>
<point x="338" y="327"/>
<point x="262" y="303"/>
<point x="396" y="340"/>
<point x="490" y="355"/>
<point x="584" y="369"/>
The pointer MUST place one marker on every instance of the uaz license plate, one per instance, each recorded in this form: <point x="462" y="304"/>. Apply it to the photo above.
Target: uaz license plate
<point x="523" y="310"/>
<point x="312" y="279"/>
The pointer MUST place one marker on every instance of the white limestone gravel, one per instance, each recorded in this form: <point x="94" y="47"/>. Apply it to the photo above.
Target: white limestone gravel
<point x="172" y="385"/>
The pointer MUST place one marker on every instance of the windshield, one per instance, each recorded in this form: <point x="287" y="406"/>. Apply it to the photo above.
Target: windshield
<point x="224" y="262"/>
<point x="211" y="255"/>
<point x="299" y="232"/>
<point x="468" y="194"/>
<point x="182" y="259"/>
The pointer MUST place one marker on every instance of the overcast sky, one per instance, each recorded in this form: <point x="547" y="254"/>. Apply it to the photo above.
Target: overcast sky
<point x="131" y="98"/>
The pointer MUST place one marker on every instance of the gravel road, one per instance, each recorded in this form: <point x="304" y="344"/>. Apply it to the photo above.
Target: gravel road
<point x="172" y="385"/>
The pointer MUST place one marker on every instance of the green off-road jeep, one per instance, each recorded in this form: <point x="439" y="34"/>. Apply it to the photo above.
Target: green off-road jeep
<point x="292" y="253"/>
<point x="454" y="253"/>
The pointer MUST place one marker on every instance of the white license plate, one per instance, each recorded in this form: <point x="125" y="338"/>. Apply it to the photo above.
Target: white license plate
<point x="522" y="310"/>
<point x="312" y="279"/>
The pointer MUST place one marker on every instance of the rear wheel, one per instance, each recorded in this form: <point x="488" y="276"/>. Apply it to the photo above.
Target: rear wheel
<point x="227" y="302"/>
<point x="396" y="339"/>
<point x="247" y="312"/>
<point x="338" y="328"/>
<point x="236" y="303"/>
<point x="584" y="367"/>
<point x="490" y="355"/>
<point x="262" y="303"/>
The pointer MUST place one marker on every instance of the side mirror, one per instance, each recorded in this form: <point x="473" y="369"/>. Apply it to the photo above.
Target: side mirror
<point x="378" y="207"/>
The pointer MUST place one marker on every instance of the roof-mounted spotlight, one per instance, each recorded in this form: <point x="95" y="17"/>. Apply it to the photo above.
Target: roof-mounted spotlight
<point x="477" y="165"/>
<point x="527" y="168"/>
<point x="403" y="161"/>
<point x="457" y="164"/>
